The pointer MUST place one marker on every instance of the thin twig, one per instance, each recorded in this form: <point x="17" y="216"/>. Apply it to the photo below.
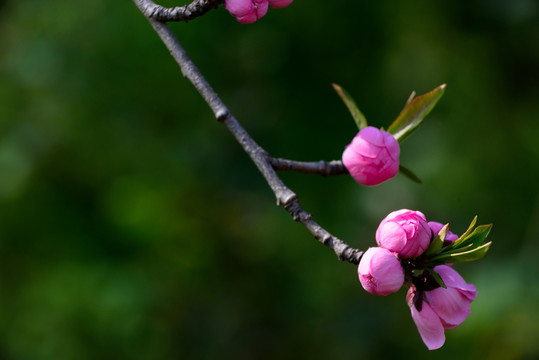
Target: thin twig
<point x="323" y="168"/>
<point x="180" y="13"/>
<point x="285" y="197"/>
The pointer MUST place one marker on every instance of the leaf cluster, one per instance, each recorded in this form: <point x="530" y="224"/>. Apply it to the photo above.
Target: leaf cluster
<point x="468" y="247"/>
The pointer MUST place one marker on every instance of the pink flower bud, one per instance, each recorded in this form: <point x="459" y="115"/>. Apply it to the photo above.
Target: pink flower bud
<point x="405" y="232"/>
<point x="372" y="157"/>
<point x="436" y="227"/>
<point x="380" y="271"/>
<point x="247" y="11"/>
<point x="435" y="310"/>
<point x="279" y="3"/>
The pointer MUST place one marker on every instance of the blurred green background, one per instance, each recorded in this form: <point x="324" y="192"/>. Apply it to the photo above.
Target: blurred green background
<point x="132" y="226"/>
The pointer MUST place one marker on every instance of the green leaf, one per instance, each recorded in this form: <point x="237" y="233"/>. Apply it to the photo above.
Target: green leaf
<point x="409" y="174"/>
<point x="358" y="116"/>
<point x="478" y="235"/>
<point x="413" y="113"/>
<point x="438" y="241"/>
<point x="437" y="277"/>
<point x="470" y="255"/>
<point x="458" y="243"/>
<point x="467" y="232"/>
<point x="447" y="251"/>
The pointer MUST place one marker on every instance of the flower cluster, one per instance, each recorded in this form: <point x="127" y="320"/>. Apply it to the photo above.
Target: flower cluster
<point x="438" y="297"/>
<point x="249" y="11"/>
<point x="372" y="157"/>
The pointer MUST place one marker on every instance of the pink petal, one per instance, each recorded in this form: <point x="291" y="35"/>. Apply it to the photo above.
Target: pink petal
<point x="450" y="304"/>
<point x="279" y="3"/>
<point x="453" y="279"/>
<point x="391" y="236"/>
<point x="392" y="145"/>
<point x="429" y="326"/>
<point x="419" y="236"/>
<point x="372" y="135"/>
<point x="247" y="19"/>
<point x="247" y="11"/>
<point x="239" y="8"/>
<point x="261" y="8"/>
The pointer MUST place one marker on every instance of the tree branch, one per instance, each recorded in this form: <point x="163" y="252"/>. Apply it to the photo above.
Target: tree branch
<point x="180" y="13"/>
<point x="323" y="168"/>
<point x="285" y="197"/>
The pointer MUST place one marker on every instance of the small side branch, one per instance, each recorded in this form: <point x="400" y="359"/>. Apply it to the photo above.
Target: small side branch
<point x="180" y="13"/>
<point x="323" y="168"/>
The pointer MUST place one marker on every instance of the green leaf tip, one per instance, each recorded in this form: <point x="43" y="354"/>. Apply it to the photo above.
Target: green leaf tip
<point x="410" y="98"/>
<point x="414" y="112"/>
<point x="409" y="174"/>
<point x="474" y="237"/>
<point x="469" y="230"/>
<point x="357" y="115"/>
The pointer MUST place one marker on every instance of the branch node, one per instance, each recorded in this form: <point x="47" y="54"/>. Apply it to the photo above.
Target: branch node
<point x="180" y="13"/>
<point x="222" y="114"/>
<point x="351" y="255"/>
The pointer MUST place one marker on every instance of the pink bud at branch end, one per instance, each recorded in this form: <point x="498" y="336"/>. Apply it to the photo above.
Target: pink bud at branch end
<point x="372" y="157"/>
